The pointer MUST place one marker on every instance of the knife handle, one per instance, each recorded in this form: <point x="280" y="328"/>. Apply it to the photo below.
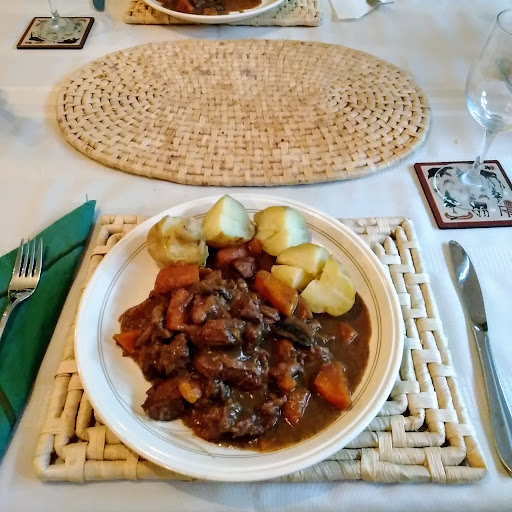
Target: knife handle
<point x="501" y="418"/>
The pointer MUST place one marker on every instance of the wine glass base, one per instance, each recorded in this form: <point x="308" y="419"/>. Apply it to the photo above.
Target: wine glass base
<point x="57" y="30"/>
<point x="449" y="184"/>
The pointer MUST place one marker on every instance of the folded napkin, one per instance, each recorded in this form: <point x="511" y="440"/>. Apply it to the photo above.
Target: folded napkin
<point x="31" y="324"/>
<point x="354" y="9"/>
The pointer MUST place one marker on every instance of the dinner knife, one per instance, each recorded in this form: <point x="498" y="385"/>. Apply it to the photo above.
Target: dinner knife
<point x="99" y="5"/>
<point x="473" y="302"/>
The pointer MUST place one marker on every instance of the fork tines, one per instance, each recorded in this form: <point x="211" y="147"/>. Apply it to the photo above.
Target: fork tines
<point x="29" y="259"/>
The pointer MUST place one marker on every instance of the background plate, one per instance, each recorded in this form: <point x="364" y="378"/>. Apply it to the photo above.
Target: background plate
<point x="266" y="5"/>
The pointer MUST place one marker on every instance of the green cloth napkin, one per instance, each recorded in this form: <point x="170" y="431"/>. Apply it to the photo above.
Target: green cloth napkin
<point x="31" y="324"/>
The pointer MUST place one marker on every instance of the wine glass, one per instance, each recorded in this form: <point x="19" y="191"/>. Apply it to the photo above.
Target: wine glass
<point x="56" y="28"/>
<point x="489" y="100"/>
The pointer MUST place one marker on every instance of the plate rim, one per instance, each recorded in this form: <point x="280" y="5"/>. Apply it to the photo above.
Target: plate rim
<point x="254" y="474"/>
<point x="218" y="19"/>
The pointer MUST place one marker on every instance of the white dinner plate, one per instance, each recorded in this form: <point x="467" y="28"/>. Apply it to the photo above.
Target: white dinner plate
<point x="116" y="387"/>
<point x="266" y="5"/>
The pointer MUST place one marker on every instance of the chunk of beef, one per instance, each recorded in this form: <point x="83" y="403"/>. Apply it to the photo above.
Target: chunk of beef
<point x="271" y="410"/>
<point x="138" y="317"/>
<point x="245" y="266"/>
<point x="253" y="336"/>
<point x="158" y="331"/>
<point x="209" y="306"/>
<point x="229" y="418"/>
<point x="214" y="389"/>
<point x="270" y="315"/>
<point x="241" y="284"/>
<point x="248" y="425"/>
<point x="246" y="305"/>
<point x="222" y="287"/>
<point x="149" y="361"/>
<point x="214" y="275"/>
<point x="229" y="367"/>
<point x="155" y="330"/>
<point x="164" y="401"/>
<point x="218" y="332"/>
<point x="175" y="355"/>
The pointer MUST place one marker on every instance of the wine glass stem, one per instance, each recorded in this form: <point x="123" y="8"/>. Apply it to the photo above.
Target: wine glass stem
<point x="55" y="21"/>
<point x="474" y="176"/>
<point x="54" y="11"/>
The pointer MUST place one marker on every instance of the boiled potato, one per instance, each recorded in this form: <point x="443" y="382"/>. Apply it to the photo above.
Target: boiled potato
<point x="227" y="223"/>
<point x="295" y="277"/>
<point x="280" y="227"/>
<point x="177" y="240"/>
<point x="333" y="292"/>
<point x="309" y="257"/>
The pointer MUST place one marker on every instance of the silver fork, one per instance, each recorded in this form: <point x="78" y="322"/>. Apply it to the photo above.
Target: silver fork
<point x="25" y="276"/>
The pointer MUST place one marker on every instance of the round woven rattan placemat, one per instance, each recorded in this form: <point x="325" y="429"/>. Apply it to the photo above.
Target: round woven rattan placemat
<point x="244" y="112"/>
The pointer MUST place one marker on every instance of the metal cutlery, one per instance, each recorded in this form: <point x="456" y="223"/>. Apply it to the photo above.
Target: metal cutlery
<point x="473" y="302"/>
<point x="25" y="276"/>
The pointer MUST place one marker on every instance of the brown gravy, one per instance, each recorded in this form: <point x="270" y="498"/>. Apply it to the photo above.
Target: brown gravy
<point x="320" y="414"/>
<point x="157" y="355"/>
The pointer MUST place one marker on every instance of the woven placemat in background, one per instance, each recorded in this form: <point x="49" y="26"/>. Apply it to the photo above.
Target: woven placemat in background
<point x="249" y="112"/>
<point x="422" y="434"/>
<point x="290" y="13"/>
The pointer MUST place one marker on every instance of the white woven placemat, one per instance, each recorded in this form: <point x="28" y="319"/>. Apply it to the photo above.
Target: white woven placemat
<point x="243" y="113"/>
<point x="290" y="13"/>
<point x="422" y="434"/>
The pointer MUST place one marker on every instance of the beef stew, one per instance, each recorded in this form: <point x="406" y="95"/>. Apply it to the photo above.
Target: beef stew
<point x="231" y="366"/>
<point x="210" y="7"/>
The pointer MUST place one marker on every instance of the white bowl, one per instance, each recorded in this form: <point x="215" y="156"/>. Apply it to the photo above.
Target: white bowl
<point x="266" y="5"/>
<point x="116" y="387"/>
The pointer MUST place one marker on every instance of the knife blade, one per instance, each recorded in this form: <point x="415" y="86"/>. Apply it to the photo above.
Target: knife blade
<point x="472" y="300"/>
<point x="99" y="5"/>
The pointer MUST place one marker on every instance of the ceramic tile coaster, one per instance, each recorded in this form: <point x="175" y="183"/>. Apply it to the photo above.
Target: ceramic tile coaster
<point x="36" y="37"/>
<point x="448" y="215"/>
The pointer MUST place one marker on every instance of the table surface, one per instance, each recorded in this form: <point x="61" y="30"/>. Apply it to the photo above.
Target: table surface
<point x="42" y="178"/>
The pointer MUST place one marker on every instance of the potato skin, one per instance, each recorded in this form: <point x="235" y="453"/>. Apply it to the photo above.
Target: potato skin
<point x="177" y="240"/>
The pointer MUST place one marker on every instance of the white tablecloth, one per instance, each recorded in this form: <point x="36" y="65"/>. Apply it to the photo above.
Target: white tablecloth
<point x="42" y="178"/>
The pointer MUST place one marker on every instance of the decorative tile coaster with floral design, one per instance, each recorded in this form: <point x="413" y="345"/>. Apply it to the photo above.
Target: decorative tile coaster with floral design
<point x="39" y="36"/>
<point x="446" y="211"/>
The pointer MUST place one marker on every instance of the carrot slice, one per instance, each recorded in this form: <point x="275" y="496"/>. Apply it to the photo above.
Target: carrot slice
<point x="127" y="339"/>
<point x="282" y="296"/>
<point x="286" y="383"/>
<point x="296" y="404"/>
<point x="228" y="254"/>
<point x="176" y="276"/>
<point x="176" y="316"/>
<point x="254" y="247"/>
<point x="347" y="332"/>
<point x="184" y="6"/>
<point x="330" y="383"/>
